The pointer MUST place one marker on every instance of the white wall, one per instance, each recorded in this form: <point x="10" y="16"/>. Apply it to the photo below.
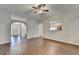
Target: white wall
<point x="41" y="29"/>
<point x="4" y="27"/>
<point x="32" y="28"/>
<point x="73" y="32"/>
<point x="69" y="33"/>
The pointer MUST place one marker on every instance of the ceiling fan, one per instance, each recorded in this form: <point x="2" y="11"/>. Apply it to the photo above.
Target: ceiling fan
<point x="41" y="8"/>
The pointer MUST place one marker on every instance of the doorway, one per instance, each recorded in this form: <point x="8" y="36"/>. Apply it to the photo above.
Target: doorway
<point x="18" y="30"/>
<point x="18" y="37"/>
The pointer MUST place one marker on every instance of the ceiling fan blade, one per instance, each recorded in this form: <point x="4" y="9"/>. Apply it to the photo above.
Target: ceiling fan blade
<point x="39" y="6"/>
<point x="46" y="10"/>
<point x="34" y="7"/>
<point x="35" y="11"/>
<point x="43" y="5"/>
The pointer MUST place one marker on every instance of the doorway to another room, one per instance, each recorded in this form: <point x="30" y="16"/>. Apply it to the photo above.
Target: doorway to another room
<point x="18" y="37"/>
<point x="18" y="30"/>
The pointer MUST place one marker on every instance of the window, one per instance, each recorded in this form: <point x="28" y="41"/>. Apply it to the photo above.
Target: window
<point x="54" y="25"/>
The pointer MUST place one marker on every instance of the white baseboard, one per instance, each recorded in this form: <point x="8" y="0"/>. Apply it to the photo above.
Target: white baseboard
<point x="46" y="38"/>
<point x="33" y="37"/>
<point x="4" y="42"/>
<point x="63" y="41"/>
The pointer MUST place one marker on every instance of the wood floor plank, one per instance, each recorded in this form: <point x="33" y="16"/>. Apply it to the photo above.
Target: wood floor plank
<point x="38" y="46"/>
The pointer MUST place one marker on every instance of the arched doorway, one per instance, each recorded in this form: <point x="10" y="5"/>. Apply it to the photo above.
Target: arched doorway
<point x="18" y="29"/>
<point x="18" y="37"/>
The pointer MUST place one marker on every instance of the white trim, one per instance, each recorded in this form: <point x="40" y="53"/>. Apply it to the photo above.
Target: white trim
<point x="63" y="41"/>
<point x="4" y="42"/>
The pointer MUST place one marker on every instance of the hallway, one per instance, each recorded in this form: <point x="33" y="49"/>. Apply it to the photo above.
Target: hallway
<point x="38" y="46"/>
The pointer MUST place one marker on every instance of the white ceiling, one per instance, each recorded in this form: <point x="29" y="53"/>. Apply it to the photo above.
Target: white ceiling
<point x="25" y="10"/>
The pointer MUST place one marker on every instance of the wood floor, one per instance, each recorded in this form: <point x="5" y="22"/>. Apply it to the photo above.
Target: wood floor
<point x="38" y="46"/>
